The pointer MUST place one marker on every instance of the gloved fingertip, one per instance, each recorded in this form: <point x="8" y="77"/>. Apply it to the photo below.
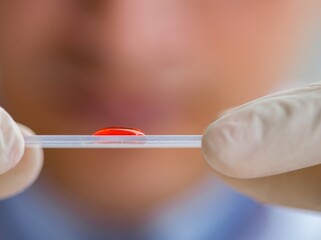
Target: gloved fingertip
<point x="36" y="154"/>
<point x="223" y="151"/>
<point x="11" y="142"/>
<point x="24" y="173"/>
<point x="211" y="149"/>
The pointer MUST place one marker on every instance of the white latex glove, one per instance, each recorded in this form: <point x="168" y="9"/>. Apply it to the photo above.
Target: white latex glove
<point x="270" y="148"/>
<point x="19" y="167"/>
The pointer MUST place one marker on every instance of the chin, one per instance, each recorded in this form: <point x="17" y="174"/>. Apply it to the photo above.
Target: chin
<point x="122" y="183"/>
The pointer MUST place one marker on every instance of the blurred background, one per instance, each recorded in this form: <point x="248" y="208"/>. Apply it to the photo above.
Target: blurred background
<point x="166" y="67"/>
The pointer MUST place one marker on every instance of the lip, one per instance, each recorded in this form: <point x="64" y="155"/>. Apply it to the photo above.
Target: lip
<point x="78" y="94"/>
<point x="129" y="110"/>
<point x="83" y="100"/>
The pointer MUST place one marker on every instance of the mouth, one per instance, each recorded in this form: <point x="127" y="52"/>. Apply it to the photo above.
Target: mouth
<point x="85" y="97"/>
<point x="124" y="109"/>
<point x="80" y="88"/>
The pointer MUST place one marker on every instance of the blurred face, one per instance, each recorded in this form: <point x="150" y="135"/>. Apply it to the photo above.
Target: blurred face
<point x="166" y="67"/>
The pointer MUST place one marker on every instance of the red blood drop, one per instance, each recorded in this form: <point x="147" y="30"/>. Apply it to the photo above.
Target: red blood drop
<point x="119" y="131"/>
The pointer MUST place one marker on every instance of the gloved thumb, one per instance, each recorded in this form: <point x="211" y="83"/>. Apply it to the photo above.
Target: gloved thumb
<point x="270" y="149"/>
<point x="19" y="167"/>
<point x="271" y="135"/>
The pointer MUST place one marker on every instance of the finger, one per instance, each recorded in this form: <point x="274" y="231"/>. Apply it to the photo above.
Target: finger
<point x="272" y="135"/>
<point x="269" y="148"/>
<point x="24" y="173"/>
<point x="11" y="142"/>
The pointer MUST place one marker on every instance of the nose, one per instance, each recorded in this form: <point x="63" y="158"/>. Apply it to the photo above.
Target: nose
<point x="135" y="38"/>
<point x="124" y="34"/>
<point x="141" y="32"/>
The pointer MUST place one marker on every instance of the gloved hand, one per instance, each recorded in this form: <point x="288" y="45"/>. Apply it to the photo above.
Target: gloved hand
<point x="270" y="148"/>
<point x="19" y="167"/>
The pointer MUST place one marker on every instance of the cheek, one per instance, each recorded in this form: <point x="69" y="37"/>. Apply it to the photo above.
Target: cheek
<point x="252" y="46"/>
<point x="262" y="38"/>
<point x="27" y="29"/>
<point x="26" y="25"/>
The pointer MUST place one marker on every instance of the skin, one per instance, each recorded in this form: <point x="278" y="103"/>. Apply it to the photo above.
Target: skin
<point x="166" y="67"/>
